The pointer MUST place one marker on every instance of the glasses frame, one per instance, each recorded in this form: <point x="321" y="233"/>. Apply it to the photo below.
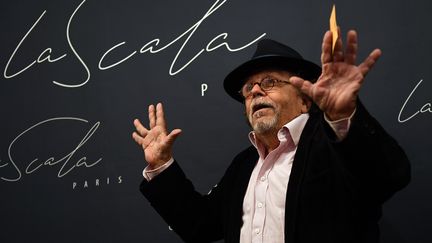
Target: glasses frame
<point x="268" y="88"/>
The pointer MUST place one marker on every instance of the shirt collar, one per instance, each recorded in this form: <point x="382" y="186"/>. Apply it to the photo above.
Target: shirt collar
<point x="295" y="128"/>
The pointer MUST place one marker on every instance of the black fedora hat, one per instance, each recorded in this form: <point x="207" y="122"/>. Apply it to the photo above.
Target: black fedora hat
<point x="270" y="54"/>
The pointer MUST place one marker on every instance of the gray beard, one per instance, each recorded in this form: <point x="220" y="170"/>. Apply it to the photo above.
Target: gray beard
<point x="266" y="126"/>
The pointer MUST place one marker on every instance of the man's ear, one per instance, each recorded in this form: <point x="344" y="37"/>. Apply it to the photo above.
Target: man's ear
<point x="307" y="103"/>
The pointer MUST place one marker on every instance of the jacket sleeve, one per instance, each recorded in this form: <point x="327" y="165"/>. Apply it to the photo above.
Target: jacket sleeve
<point x="194" y="217"/>
<point x="377" y="164"/>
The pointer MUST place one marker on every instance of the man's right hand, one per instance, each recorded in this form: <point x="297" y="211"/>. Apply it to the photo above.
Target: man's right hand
<point x="155" y="142"/>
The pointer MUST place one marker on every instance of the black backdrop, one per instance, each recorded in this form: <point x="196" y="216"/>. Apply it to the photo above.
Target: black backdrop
<point x="76" y="73"/>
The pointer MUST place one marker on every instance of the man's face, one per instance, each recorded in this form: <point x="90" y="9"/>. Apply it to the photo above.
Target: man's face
<point x="268" y="111"/>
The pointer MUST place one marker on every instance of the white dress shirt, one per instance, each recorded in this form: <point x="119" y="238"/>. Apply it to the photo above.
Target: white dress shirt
<point x="264" y="202"/>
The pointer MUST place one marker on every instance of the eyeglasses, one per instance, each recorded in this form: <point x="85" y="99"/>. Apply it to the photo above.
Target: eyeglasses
<point x="266" y="84"/>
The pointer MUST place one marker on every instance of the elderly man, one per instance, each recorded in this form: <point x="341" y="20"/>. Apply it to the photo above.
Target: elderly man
<point x="320" y="166"/>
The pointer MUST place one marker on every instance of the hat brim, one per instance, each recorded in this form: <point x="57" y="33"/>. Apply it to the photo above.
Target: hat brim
<point x="236" y="78"/>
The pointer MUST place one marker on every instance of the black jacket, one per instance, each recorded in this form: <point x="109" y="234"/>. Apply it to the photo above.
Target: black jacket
<point x="334" y="195"/>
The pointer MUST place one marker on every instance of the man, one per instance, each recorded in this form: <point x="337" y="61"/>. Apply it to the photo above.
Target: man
<point x="320" y="166"/>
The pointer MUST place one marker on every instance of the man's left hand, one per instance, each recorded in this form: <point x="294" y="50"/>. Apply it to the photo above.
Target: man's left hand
<point x="336" y="90"/>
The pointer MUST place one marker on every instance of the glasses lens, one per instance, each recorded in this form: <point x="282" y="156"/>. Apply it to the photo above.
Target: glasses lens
<point x="246" y="89"/>
<point x="267" y="84"/>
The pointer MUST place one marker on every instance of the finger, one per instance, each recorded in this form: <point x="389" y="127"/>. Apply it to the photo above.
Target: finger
<point x="303" y="85"/>
<point x="368" y="63"/>
<point x="173" y="135"/>
<point x="152" y="116"/>
<point x="326" y="49"/>
<point x="160" y="116"/>
<point x="138" y="139"/>
<point x="351" y="48"/>
<point x="338" y="54"/>
<point x="296" y="81"/>
<point x="140" y="128"/>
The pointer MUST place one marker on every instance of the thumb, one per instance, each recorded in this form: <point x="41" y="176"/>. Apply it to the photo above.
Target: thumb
<point x="173" y="135"/>
<point x="303" y="85"/>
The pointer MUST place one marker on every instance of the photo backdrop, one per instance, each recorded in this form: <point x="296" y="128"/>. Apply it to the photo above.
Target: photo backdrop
<point x="76" y="73"/>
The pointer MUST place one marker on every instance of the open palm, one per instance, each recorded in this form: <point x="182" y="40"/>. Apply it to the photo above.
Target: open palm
<point x="155" y="141"/>
<point x="336" y="90"/>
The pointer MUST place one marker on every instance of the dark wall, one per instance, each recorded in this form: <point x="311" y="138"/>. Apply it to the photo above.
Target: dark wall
<point x="73" y="79"/>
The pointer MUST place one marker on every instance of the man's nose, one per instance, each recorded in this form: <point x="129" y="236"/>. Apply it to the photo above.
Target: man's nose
<point x="257" y="90"/>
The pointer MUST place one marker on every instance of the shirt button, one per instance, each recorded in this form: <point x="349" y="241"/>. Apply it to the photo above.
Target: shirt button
<point x="263" y="178"/>
<point x="257" y="231"/>
<point x="260" y="205"/>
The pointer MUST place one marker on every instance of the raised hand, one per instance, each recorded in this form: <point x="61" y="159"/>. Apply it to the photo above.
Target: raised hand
<point x="156" y="142"/>
<point x="336" y="90"/>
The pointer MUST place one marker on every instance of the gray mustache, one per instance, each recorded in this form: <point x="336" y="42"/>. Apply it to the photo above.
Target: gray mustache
<point x="259" y="104"/>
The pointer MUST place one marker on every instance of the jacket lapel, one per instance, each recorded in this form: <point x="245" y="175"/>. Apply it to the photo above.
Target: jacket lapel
<point x="297" y="173"/>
